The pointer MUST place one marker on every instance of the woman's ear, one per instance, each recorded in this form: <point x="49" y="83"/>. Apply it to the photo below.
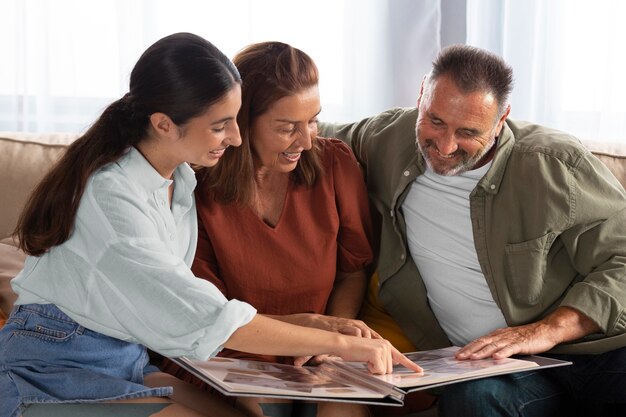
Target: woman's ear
<point x="163" y="126"/>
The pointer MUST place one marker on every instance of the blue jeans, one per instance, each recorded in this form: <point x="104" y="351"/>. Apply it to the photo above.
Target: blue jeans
<point x="46" y="357"/>
<point x="594" y="385"/>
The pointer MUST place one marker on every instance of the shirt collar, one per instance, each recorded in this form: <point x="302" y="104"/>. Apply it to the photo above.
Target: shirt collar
<point x="186" y="177"/>
<point x="492" y="179"/>
<point x="142" y="173"/>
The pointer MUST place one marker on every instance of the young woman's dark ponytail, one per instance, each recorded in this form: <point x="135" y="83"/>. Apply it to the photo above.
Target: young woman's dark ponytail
<point x="48" y="217"/>
<point x="180" y="75"/>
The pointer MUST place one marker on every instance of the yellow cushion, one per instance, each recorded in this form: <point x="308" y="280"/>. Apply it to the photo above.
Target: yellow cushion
<point x="375" y="316"/>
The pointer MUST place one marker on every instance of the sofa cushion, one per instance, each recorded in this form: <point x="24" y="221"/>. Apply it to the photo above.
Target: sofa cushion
<point x="24" y="159"/>
<point x="11" y="263"/>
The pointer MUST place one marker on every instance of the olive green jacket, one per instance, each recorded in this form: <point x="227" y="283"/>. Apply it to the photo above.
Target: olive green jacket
<point x="549" y="222"/>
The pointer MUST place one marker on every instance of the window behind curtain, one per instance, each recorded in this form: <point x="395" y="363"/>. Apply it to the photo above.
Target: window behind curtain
<point x="63" y="61"/>
<point x="568" y="60"/>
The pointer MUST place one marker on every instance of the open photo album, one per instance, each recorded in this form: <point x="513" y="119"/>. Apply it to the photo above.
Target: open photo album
<point x="341" y="381"/>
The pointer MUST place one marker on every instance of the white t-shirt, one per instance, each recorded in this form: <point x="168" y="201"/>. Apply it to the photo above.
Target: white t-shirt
<point x="441" y="242"/>
<point x="125" y="271"/>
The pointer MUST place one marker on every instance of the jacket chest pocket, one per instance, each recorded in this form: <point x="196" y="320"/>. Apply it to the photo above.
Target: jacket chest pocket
<point x="525" y="264"/>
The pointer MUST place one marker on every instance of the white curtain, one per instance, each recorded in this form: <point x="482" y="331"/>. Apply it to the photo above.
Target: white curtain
<point x="568" y="59"/>
<point x="63" y="61"/>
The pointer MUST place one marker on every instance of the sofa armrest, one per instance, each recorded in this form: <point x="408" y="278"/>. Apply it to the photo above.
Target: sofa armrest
<point x="11" y="263"/>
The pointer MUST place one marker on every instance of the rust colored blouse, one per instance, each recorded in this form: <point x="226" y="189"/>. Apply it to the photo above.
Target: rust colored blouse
<point x="289" y="268"/>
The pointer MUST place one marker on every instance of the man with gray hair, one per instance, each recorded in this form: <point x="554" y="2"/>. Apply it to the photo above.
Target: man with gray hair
<point x="499" y="236"/>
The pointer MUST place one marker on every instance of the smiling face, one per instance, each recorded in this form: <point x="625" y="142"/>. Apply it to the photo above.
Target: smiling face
<point x="203" y="139"/>
<point x="456" y="130"/>
<point x="280" y="135"/>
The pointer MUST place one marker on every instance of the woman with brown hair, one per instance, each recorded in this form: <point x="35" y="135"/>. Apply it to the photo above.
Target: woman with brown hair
<point x="284" y="220"/>
<point x="111" y="232"/>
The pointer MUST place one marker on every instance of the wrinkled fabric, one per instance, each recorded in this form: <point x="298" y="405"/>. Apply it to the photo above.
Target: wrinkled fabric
<point x="125" y="271"/>
<point x="549" y="225"/>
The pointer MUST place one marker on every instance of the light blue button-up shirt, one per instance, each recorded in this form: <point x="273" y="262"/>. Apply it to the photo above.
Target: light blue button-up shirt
<point x="125" y="271"/>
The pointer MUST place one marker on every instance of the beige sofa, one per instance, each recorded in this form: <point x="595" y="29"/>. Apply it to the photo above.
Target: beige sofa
<point x="25" y="158"/>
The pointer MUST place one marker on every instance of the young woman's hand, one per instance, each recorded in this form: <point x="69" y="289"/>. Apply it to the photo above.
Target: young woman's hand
<point x="379" y="354"/>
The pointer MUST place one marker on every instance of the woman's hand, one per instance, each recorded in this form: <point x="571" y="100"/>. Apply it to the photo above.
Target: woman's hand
<point x="266" y="336"/>
<point x="330" y="323"/>
<point x="341" y="325"/>
<point x="379" y="354"/>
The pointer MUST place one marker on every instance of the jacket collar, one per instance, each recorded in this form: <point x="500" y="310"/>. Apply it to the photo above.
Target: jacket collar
<point x="491" y="181"/>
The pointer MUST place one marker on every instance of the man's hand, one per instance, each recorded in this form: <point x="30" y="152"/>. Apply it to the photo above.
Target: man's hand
<point x="502" y="343"/>
<point x="563" y="325"/>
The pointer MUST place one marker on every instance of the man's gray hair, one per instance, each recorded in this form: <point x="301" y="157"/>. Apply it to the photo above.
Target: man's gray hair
<point x="474" y="69"/>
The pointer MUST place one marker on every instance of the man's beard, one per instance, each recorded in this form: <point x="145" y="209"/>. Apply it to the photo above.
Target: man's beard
<point x="465" y="164"/>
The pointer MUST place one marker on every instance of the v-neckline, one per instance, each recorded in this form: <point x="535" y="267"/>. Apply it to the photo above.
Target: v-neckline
<point x="282" y="212"/>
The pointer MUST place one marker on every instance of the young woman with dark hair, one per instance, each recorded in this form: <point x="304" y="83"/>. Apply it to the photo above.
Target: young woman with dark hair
<point x="111" y="232"/>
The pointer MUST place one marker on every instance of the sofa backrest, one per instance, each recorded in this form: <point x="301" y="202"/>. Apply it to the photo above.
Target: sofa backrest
<point x="613" y="155"/>
<point x="25" y="158"/>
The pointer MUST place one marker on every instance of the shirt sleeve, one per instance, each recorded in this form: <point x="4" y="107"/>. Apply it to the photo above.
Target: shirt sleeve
<point x="355" y="226"/>
<point x="596" y="243"/>
<point x="351" y="133"/>
<point x="361" y="135"/>
<point x="133" y="287"/>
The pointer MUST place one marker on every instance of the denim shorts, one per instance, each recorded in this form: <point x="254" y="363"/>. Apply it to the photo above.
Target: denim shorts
<point x="46" y="357"/>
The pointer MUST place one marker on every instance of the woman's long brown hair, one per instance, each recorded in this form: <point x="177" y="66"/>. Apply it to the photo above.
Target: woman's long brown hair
<point x="269" y="72"/>
<point x="180" y="75"/>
